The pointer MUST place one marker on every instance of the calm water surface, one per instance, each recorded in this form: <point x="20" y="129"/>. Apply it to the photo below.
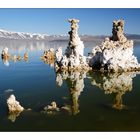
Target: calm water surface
<point x="94" y="102"/>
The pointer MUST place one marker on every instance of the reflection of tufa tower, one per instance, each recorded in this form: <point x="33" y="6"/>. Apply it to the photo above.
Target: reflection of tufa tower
<point x="75" y="82"/>
<point x="118" y="102"/>
<point x="76" y="87"/>
<point x="117" y="84"/>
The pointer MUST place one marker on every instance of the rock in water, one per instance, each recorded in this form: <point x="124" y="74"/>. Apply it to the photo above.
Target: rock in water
<point x="13" y="105"/>
<point x="25" y="57"/>
<point x="49" y="57"/>
<point x="4" y="54"/>
<point x="73" y="57"/>
<point x="49" y="54"/>
<point x="51" y="109"/>
<point x="115" y="53"/>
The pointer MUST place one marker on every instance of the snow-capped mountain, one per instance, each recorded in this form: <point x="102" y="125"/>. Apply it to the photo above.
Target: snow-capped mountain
<point x="26" y="36"/>
<point x="9" y="35"/>
<point x="19" y="35"/>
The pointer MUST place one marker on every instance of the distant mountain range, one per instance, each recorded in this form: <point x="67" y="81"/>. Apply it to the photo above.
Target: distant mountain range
<point x="8" y="35"/>
<point x="27" y="36"/>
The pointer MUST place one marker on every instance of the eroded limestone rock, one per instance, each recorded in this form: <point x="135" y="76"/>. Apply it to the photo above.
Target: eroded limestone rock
<point x="115" y="53"/>
<point x="73" y="57"/>
<point x="5" y="55"/>
<point x="49" y="54"/>
<point x="118" y="31"/>
<point x="13" y="105"/>
<point x="51" y="109"/>
<point x="16" y="58"/>
<point x="25" y="57"/>
<point x="49" y="57"/>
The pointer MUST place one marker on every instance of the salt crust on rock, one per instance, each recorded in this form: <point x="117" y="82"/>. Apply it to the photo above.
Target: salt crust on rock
<point x="73" y="57"/>
<point x="13" y="105"/>
<point x="115" y="53"/>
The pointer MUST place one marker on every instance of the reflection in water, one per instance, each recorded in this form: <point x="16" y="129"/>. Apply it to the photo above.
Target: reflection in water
<point x="49" y="62"/>
<point x="8" y="90"/>
<point x="75" y="83"/>
<point x="13" y="115"/>
<point x="14" y="58"/>
<point x="6" y="62"/>
<point x="6" y="57"/>
<point x="117" y="83"/>
<point x="19" y="47"/>
<point x="28" y="46"/>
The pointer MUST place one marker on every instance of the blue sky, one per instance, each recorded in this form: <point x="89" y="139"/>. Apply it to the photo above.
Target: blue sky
<point x="54" y="21"/>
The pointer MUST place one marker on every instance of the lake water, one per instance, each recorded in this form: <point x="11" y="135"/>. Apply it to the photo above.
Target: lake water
<point x="88" y="101"/>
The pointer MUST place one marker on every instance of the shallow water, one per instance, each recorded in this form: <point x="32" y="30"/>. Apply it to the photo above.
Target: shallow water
<point x="94" y="102"/>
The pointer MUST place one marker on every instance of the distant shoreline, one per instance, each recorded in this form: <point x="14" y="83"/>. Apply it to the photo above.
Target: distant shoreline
<point x="61" y="40"/>
<point x="7" y="35"/>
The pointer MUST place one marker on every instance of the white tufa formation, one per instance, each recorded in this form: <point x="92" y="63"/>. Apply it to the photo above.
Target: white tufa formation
<point x="5" y="51"/>
<point x="4" y="54"/>
<point x="73" y="58"/>
<point x="58" y="54"/>
<point x="49" y="57"/>
<point x="13" y="105"/>
<point x="115" y="53"/>
<point x="49" y="54"/>
<point x="51" y="109"/>
<point x="59" y="80"/>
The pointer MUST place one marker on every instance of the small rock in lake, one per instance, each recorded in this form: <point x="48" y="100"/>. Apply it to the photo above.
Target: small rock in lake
<point x="51" y="109"/>
<point x="15" y="58"/>
<point x="25" y="55"/>
<point x="13" y="105"/>
<point x="4" y="54"/>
